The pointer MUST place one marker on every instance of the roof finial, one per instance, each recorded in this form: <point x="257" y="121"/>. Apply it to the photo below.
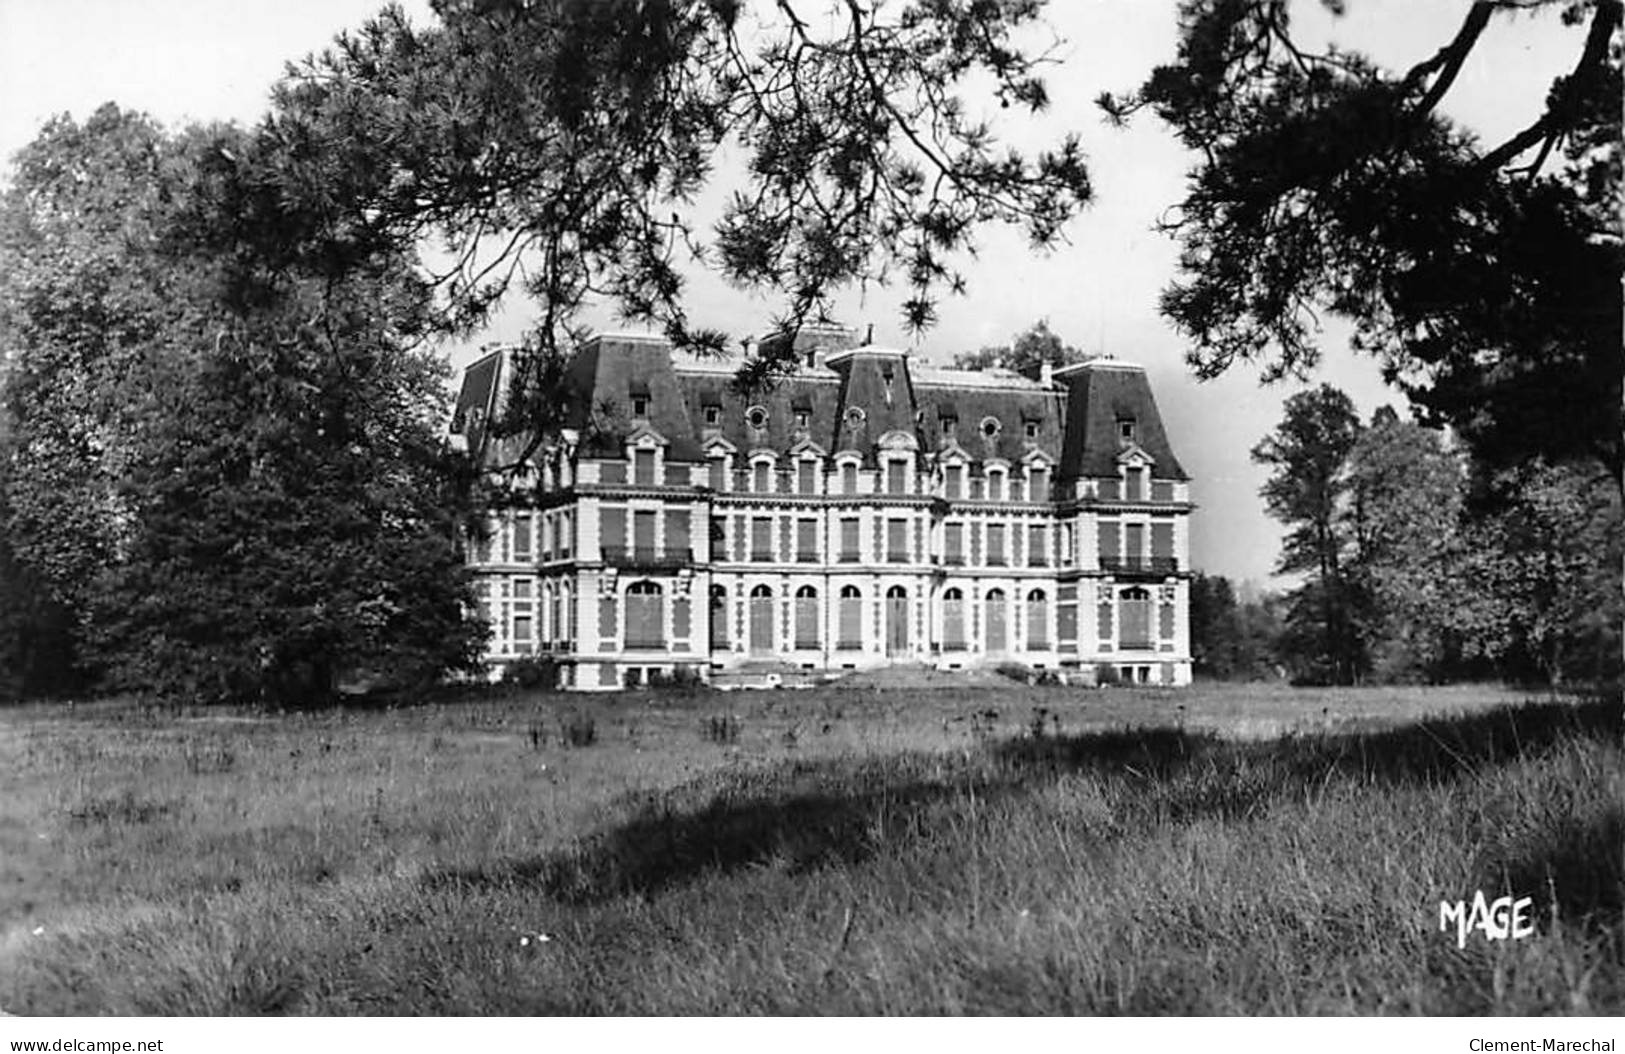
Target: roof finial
<point x="870" y="337"/>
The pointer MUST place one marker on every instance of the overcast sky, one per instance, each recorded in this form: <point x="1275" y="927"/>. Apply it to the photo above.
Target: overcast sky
<point x="183" y="60"/>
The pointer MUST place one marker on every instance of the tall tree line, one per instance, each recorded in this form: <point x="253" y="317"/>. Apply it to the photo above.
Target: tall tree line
<point x="1419" y="561"/>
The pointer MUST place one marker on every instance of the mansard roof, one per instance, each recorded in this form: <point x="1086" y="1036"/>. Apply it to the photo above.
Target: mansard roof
<point x="1105" y="392"/>
<point x="845" y="397"/>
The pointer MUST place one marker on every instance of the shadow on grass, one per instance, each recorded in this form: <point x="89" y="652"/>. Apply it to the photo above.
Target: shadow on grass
<point x="804" y="816"/>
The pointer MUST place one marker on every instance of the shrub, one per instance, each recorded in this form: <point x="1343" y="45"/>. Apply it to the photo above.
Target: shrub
<point x="684" y="679"/>
<point x="533" y="672"/>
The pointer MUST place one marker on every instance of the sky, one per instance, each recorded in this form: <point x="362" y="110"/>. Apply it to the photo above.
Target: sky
<point x="198" y="60"/>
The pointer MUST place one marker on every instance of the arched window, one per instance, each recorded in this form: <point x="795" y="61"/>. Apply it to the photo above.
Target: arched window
<point x="849" y="631"/>
<point x="1037" y="621"/>
<point x="995" y="484"/>
<point x="761" y="619"/>
<point x="953" y="620"/>
<point x="998" y="635"/>
<point x="645" y="616"/>
<point x="807" y="635"/>
<point x="896" y="620"/>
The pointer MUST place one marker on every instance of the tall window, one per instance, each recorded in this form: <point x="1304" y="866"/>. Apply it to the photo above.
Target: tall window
<point x="643" y="534"/>
<point x="643" y="467"/>
<point x="849" y="634"/>
<point x="896" y="476"/>
<point x="995" y="545"/>
<point x="849" y="540"/>
<point x="807" y="617"/>
<point x="1037" y="545"/>
<point x="998" y="633"/>
<point x="1136" y="484"/>
<point x="761" y="539"/>
<point x="677" y="543"/>
<point x="521" y="537"/>
<point x="761" y="619"/>
<point x="1037" y="621"/>
<point x="953" y="482"/>
<point x="897" y="541"/>
<point x="807" y="541"/>
<point x="1039" y="477"/>
<point x="716" y="473"/>
<point x="995" y="485"/>
<point x="953" y="620"/>
<point x="1135" y="612"/>
<point x="953" y="544"/>
<point x="849" y="478"/>
<point x="761" y="478"/>
<point x="523" y="616"/>
<point x="805" y="477"/>
<point x="645" y="607"/>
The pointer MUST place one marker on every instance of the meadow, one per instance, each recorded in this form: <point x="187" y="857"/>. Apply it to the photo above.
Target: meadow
<point x="983" y="848"/>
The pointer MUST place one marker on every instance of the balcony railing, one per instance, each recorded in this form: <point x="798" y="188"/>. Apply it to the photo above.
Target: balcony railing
<point x="997" y="561"/>
<point x="850" y="557"/>
<point x="1140" y="565"/>
<point x="646" y="556"/>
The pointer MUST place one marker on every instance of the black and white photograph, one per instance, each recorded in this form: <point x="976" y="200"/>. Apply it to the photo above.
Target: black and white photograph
<point x="719" y="511"/>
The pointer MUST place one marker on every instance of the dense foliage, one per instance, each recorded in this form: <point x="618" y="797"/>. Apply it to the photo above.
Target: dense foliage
<point x="561" y="146"/>
<point x="1486" y="277"/>
<point x="1422" y="563"/>
<point x="218" y="480"/>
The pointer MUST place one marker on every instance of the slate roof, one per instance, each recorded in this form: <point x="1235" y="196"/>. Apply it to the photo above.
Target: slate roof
<point x="1073" y="420"/>
<point x="1104" y="392"/>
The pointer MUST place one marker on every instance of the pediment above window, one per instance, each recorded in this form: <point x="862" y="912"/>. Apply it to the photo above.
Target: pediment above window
<point x="1135" y="456"/>
<point x="897" y="439"/>
<point x="645" y="437"/>
<point x="807" y="446"/>
<point x="716" y="446"/>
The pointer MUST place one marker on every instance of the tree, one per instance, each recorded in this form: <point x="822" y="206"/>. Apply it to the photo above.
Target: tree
<point x="1026" y="355"/>
<point x="1486" y="277"/>
<point x="1404" y="508"/>
<point x="1308" y="452"/>
<point x="566" y="140"/>
<point x="1536" y="587"/>
<point x="228" y="469"/>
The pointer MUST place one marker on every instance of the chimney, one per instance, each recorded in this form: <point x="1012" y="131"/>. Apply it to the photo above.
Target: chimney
<point x="1046" y="373"/>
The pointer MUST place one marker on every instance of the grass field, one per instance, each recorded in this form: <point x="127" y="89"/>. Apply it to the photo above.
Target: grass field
<point x="952" y="850"/>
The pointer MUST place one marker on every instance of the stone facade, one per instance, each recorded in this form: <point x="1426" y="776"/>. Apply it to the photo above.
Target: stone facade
<point x="869" y="510"/>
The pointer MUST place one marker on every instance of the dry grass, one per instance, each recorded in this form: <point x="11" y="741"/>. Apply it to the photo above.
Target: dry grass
<point x="984" y="851"/>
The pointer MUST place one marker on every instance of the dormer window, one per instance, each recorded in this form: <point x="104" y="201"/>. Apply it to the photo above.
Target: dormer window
<point x="854" y="417"/>
<point x="990" y="427"/>
<point x="643" y="466"/>
<point x="756" y="417"/>
<point x="1030" y="429"/>
<point x="802" y="417"/>
<point x="713" y="415"/>
<point x="1125" y="429"/>
<point x="995" y="485"/>
<point x="640" y="406"/>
